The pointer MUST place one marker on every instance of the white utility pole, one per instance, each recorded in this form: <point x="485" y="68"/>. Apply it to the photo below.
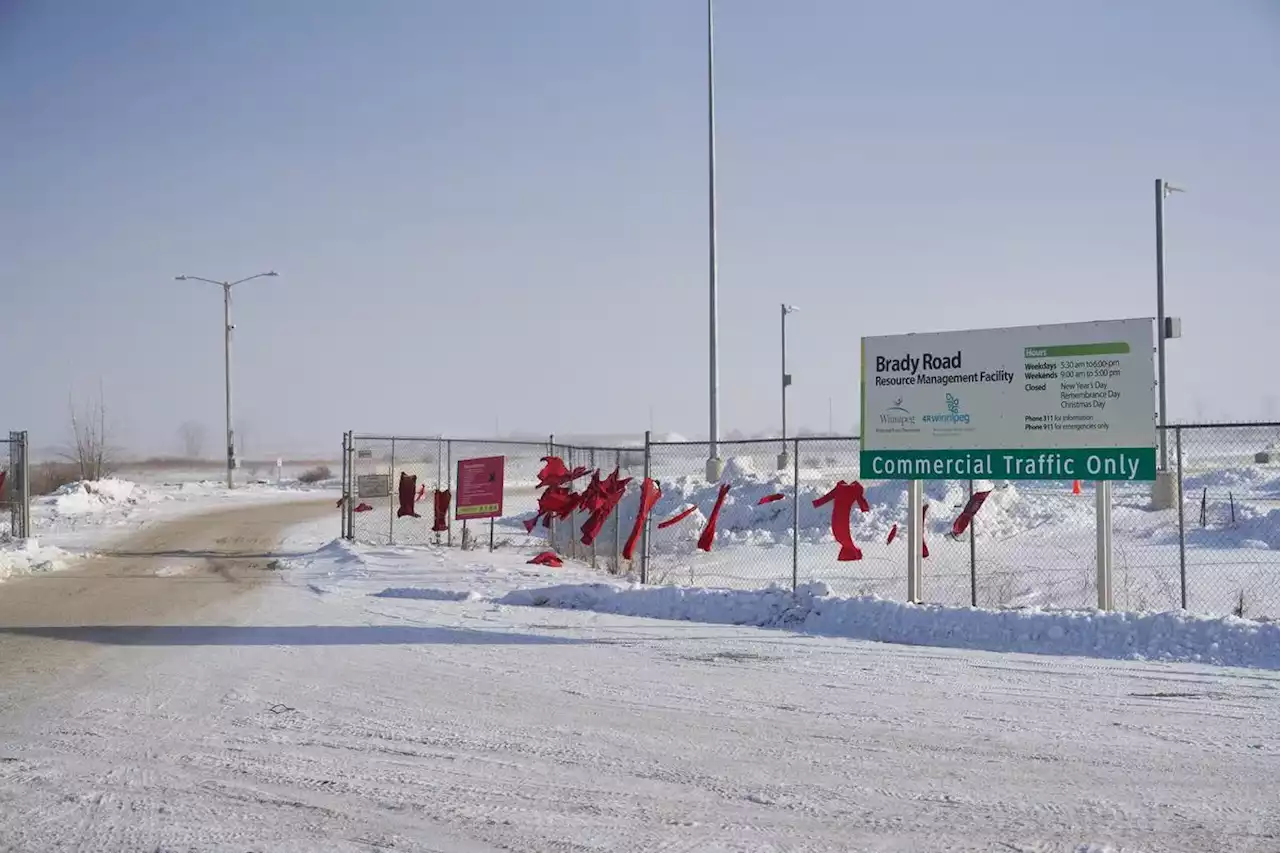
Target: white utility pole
<point x="226" y="357"/>
<point x="715" y="467"/>
<point x="784" y="458"/>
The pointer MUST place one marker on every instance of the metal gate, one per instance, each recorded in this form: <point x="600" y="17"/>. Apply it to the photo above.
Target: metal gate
<point x="15" y="492"/>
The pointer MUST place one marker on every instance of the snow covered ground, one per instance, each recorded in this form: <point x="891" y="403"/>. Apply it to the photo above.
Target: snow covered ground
<point x="390" y="698"/>
<point x="80" y="515"/>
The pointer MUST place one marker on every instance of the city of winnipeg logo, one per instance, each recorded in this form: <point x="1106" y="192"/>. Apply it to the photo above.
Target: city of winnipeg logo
<point x="896" y="418"/>
<point x="952" y="417"/>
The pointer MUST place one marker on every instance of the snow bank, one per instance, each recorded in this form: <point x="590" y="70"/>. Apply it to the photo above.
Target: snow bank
<point x="94" y="496"/>
<point x="29" y="557"/>
<point x="1174" y="636"/>
<point x="1251" y="480"/>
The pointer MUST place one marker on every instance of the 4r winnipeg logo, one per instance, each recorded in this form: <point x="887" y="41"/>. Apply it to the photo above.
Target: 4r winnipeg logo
<point x="953" y="416"/>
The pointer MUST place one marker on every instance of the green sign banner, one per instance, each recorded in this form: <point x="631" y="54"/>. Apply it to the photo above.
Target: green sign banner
<point x="1112" y="463"/>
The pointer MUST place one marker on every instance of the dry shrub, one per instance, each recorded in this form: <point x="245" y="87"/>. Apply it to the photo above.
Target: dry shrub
<point x="315" y="475"/>
<point x="48" y="477"/>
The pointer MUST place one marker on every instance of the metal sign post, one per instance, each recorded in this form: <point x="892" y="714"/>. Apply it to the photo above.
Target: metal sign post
<point x="1105" y="598"/>
<point x="915" y="539"/>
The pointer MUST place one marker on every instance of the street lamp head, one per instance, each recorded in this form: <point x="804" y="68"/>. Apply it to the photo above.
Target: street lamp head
<point x="272" y="274"/>
<point x="179" y="278"/>
<point x="790" y="309"/>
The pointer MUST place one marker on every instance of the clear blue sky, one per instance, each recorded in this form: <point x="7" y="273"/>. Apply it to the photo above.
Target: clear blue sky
<point x="496" y="209"/>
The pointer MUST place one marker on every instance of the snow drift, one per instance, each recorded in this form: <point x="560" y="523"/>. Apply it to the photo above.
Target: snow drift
<point x="1174" y="636"/>
<point x="88" y="497"/>
<point x="30" y="556"/>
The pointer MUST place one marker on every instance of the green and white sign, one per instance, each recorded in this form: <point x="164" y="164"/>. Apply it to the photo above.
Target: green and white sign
<point x="1071" y="401"/>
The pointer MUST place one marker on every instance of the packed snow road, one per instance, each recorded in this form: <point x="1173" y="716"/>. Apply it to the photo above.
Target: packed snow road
<point x="168" y="570"/>
<point x="388" y="704"/>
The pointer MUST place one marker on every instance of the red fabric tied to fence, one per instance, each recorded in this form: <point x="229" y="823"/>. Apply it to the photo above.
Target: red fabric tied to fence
<point x="843" y="497"/>
<point x="768" y="499"/>
<point x="556" y="502"/>
<point x="441" y="501"/>
<point x="649" y="495"/>
<point x="408" y="489"/>
<point x="591" y="495"/>
<point x="554" y="472"/>
<point x="965" y="518"/>
<point x="608" y="494"/>
<point x="677" y="518"/>
<point x="709" y="532"/>
<point x="893" y="534"/>
<point x="363" y="507"/>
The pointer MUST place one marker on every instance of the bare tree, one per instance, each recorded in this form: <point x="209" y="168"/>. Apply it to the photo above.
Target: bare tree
<point x="90" y="445"/>
<point x="193" y="436"/>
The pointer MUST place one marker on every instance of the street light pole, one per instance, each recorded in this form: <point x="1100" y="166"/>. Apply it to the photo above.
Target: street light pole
<point x="226" y="369"/>
<point x="784" y="458"/>
<point x="227" y="328"/>
<point x="1163" y="497"/>
<point x="715" y="468"/>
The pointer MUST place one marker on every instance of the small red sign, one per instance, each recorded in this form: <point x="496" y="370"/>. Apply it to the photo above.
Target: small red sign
<point x="480" y="485"/>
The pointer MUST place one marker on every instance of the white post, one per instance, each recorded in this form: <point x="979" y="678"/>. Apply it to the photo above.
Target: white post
<point x="1103" y="496"/>
<point x="226" y="355"/>
<point x="715" y="467"/>
<point x="784" y="458"/>
<point x="915" y="539"/>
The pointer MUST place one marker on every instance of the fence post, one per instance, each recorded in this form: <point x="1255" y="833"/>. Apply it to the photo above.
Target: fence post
<point x="20" y="485"/>
<point x="453" y="500"/>
<point x="973" y="557"/>
<point x="349" y="516"/>
<point x="644" y="532"/>
<point x="795" y="517"/>
<point x="617" y="521"/>
<point x="392" y="487"/>
<point x="26" y="484"/>
<point x="1103" y="499"/>
<point x="592" y="457"/>
<point x="915" y="539"/>
<point x="346" y="486"/>
<point x="1182" y="520"/>
<point x="550" y="521"/>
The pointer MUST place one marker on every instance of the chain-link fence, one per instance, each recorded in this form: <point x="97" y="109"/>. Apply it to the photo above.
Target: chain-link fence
<point x="15" y="488"/>
<point x="372" y="467"/>
<point x="1029" y="543"/>
<point x="1227" y="538"/>
<point x="605" y="550"/>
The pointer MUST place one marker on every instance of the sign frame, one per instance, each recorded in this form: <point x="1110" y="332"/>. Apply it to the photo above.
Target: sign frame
<point x="480" y="488"/>
<point x="1060" y="401"/>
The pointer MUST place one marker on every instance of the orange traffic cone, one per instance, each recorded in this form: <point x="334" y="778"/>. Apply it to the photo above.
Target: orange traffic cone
<point x="1075" y="487"/>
